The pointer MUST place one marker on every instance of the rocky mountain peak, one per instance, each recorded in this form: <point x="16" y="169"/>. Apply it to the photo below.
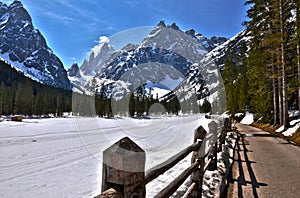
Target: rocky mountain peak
<point x="25" y="48"/>
<point x="3" y="8"/>
<point x="73" y="70"/>
<point x="98" y="55"/>
<point x="161" y="23"/>
<point x="16" y="4"/>
<point x="215" y="39"/>
<point x="165" y="53"/>
<point x="174" y="26"/>
<point x="191" y="32"/>
<point x="17" y="11"/>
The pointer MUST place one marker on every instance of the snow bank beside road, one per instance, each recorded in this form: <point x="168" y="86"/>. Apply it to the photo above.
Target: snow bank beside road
<point x="214" y="182"/>
<point x="295" y="125"/>
<point x="248" y="119"/>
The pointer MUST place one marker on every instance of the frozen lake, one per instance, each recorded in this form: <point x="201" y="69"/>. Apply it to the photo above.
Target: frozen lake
<point x="62" y="157"/>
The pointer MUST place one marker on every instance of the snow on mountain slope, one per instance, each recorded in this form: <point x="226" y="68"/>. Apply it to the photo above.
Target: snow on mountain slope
<point x="171" y="38"/>
<point x="25" y="48"/>
<point x="157" y="90"/>
<point x="218" y="54"/>
<point x="165" y="53"/>
<point x="204" y="79"/>
<point x="185" y="58"/>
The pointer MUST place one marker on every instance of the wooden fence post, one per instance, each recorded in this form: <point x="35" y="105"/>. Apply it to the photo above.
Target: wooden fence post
<point x="124" y="169"/>
<point x="226" y="128"/>
<point x="227" y="124"/>
<point x="213" y="143"/>
<point x="197" y="175"/>
<point x="214" y="158"/>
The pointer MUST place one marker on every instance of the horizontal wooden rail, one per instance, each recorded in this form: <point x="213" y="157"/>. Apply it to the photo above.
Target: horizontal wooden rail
<point x="189" y="191"/>
<point x="174" y="185"/>
<point x="207" y="164"/>
<point x="163" y="167"/>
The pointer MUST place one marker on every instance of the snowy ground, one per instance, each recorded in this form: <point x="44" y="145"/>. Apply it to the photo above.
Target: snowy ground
<point x="214" y="182"/>
<point x="248" y="119"/>
<point x="294" y="126"/>
<point x="62" y="157"/>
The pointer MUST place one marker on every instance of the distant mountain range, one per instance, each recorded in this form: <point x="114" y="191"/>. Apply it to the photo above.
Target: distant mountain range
<point x="167" y="56"/>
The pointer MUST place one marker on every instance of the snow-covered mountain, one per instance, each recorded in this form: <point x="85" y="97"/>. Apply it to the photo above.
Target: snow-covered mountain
<point x="204" y="79"/>
<point x="165" y="55"/>
<point x="25" y="48"/>
<point x="186" y="63"/>
<point x="232" y="47"/>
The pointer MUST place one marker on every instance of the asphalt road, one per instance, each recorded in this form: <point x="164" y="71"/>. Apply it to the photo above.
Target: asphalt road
<point x="264" y="166"/>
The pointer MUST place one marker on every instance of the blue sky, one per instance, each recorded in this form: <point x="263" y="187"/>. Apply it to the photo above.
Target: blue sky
<point x="73" y="27"/>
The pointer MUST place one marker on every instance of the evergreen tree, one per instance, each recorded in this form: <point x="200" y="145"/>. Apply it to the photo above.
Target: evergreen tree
<point x="132" y="102"/>
<point x="2" y="95"/>
<point x="101" y="101"/>
<point x="38" y="106"/>
<point x="268" y="61"/>
<point x="205" y="107"/>
<point x="242" y="81"/>
<point x="24" y="99"/>
<point x="22" y="95"/>
<point x="297" y="41"/>
<point x="230" y="77"/>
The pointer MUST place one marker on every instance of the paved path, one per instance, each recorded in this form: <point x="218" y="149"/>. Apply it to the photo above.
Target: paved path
<point x="264" y="166"/>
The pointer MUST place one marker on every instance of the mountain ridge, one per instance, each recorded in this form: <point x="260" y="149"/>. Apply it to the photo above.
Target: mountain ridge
<point x="159" y="46"/>
<point x="25" y="48"/>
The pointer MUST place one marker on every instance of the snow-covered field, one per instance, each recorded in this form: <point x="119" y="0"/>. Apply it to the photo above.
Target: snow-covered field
<point x="62" y="157"/>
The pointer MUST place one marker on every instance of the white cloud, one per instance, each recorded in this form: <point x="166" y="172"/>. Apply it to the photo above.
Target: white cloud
<point x="103" y="39"/>
<point x="96" y="49"/>
<point x="60" y="18"/>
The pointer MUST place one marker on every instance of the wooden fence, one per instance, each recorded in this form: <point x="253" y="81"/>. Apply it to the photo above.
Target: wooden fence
<point x="124" y="165"/>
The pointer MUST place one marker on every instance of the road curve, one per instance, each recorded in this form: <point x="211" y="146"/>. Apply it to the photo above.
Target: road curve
<point x="264" y="166"/>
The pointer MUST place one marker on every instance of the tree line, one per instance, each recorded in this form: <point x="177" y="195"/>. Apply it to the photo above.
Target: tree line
<point x="266" y="78"/>
<point x="21" y="95"/>
<point x="138" y="102"/>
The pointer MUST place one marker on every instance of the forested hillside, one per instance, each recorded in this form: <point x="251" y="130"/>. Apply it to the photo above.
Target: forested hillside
<point x="265" y="80"/>
<point x="21" y="95"/>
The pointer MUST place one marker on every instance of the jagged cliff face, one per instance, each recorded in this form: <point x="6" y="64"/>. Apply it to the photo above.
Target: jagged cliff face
<point x="25" y="48"/>
<point x="96" y="59"/>
<point x="73" y="71"/>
